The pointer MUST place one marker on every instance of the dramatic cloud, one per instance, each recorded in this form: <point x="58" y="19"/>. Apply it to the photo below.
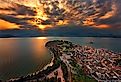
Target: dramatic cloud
<point x="51" y="13"/>
<point x="6" y="25"/>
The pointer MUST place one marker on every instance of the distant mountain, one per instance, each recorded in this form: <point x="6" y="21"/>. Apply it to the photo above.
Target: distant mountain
<point x="19" y="33"/>
<point x="64" y="31"/>
<point x="72" y="31"/>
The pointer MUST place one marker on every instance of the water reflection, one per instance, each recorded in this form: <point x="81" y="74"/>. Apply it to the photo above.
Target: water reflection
<point x="22" y="56"/>
<point x="38" y="47"/>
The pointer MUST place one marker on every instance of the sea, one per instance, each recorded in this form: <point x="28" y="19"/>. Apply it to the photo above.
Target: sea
<point x="22" y="56"/>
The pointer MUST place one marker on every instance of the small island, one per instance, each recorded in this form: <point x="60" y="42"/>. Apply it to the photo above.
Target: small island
<point x="75" y="63"/>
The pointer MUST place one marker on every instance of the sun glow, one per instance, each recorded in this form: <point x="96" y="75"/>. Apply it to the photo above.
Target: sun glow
<point x="43" y="27"/>
<point x="41" y="37"/>
<point x="102" y="26"/>
<point x="7" y="25"/>
<point x="44" y="14"/>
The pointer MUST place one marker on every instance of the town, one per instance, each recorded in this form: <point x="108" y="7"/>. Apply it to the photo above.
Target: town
<point x="75" y="63"/>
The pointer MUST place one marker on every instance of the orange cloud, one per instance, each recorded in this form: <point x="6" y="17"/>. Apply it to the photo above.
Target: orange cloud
<point x="110" y="13"/>
<point x="7" y="25"/>
<point x="49" y="13"/>
<point x="7" y="12"/>
<point x="102" y="26"/>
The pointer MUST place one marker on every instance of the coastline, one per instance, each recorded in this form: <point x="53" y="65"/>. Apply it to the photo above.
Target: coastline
<point x="68" y="61"/>
<point x="59" y="36"/>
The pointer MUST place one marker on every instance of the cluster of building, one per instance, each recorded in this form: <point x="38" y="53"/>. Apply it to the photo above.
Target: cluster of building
<point x="101" y="64"/>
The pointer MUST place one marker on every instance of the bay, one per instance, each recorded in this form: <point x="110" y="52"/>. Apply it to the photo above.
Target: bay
<point x="21" y="56"/>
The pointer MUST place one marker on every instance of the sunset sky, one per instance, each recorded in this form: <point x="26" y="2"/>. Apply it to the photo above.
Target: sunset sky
<point x="50" y="14"/>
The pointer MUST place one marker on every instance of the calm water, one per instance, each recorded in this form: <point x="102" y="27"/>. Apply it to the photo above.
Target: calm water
<point x="20" y="56"/>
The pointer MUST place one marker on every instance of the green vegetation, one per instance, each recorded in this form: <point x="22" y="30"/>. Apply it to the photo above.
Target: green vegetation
<point x="82" y="78"/>
<point x="53" y="79"/>
<point x="65" y="71"/>
<point x="52" y="68"/>
<point x="73" y="62"/>
<point x="79" y="75"/>
<point x="118" y="62"/>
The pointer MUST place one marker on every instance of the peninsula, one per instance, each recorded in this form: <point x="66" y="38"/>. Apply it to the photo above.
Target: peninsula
<point x="75" y="63"/>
